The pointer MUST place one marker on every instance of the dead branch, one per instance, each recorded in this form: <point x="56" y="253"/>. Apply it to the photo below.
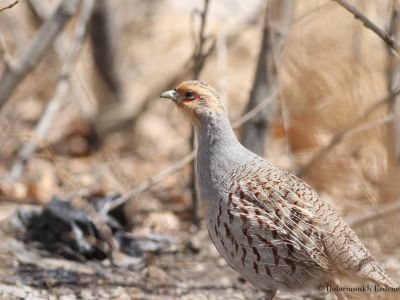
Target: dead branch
<point x="385" y="36"/>
<point x="255" y="111"/>
<point x="60" y="46"/>
<point x="189" y="157"/>
<point x="4" y="53"/>
<point x="389" y="187"/>
<point x="200" y="41"/>
<point x="42" y="13"/>
<point x="278" y="17"/>
<point x="199" y="58"/>
<point x="338" y="137"/>
<point x="40" y="9"/>
<point x="104" y="46"/>
<point x="121" y="116"/>
<point x="394" y="81"/>
<point x="59" y="93"/>
<point x="286" y="123"/>
<point x="154" y="180"/>
<point x="373" y="214"/>
<point x="107" y="85"/>
<point x="30" y="55"/>
<point x="9" y="6"/>
<point x="384" y="120"/>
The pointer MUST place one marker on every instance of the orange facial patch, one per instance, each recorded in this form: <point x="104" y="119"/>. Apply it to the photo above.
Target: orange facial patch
<point x="196" y="94"/>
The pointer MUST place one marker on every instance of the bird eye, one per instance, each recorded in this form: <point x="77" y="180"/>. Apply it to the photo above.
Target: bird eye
<point x="188" y="95"/>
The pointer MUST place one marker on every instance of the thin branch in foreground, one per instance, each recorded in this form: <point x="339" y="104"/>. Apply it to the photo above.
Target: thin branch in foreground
<point x="338" y="137"/>
<point x="9" y="6"/>
<point x="189" y="157"/>
<point x="385" y="36"/>
<point x="59" y="93"/>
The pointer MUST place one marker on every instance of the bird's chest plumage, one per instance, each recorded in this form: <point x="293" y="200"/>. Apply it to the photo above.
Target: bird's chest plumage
<point x="242" y="236"/>
<point x="251" y="240"/>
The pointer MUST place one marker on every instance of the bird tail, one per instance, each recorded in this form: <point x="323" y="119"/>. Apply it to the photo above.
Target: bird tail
<point x="374" y="272"/>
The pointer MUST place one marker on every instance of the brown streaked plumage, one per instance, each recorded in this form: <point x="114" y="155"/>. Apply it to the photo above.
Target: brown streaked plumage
<point x="269" y="225"/>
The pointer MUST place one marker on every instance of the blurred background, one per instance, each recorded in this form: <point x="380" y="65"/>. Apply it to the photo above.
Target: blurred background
<point x="81" y="122"/>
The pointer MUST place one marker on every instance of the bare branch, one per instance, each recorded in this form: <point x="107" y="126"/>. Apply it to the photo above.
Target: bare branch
<point x="286" y="122"/>
<point x="40" y="9"/>
<point x="385" y="36"/>
<point x="59" y="93"/>
<point x="4" y="54"/>
<point x="389" y="187"/>
<point x="60" y="48"/>
<point x="33" y="53"/>
<point x="394" y="81"/>
<point x="373" y="214"/>
<point x="121" y="116"/>
<point x="199" y="58"/>
<point x="338" y="137"/>
<point x="255" y="111"/>
<point x="108" y="85"/>
<point x="155" y="179"/>
<point x="278" y="17"/>
<point x="9" y="6"/>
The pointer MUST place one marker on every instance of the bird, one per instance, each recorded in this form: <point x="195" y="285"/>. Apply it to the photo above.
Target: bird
<point x="269" y="225"/>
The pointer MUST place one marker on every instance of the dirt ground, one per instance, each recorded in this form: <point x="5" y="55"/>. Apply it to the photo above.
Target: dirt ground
<point x="189" y="269"/>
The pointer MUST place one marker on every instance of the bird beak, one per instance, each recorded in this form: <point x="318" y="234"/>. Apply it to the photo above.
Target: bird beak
<point x="170" y="95"/>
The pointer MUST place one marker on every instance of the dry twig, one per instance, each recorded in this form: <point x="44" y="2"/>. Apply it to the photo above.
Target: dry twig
<point x="199" y="58"/>
<point x="121" y="116"/>
<point x="373" y="214"/>
<point x="389" y="187"/>
<point x="338" y="137"/>
<point x="39" y="9"/>
<point x="9" y="6"/>
<point x="200" y="41"/>
<point x="385" y="36"/>
<point x="277" y="20"/>
<point x="59" y="93"/>
<point x="4" y="54"/>
<point x="33" y="53"/>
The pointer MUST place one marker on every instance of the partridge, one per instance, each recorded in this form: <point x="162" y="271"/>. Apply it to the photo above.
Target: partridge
<point x="269" y="225"/>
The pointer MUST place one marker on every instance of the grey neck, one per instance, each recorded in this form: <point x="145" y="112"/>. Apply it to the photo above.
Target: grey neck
<point x="215" y="132"/>
<point x="218" y="149"/>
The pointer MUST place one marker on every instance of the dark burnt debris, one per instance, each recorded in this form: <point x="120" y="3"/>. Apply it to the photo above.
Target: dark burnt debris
<point x="80" y="234"/>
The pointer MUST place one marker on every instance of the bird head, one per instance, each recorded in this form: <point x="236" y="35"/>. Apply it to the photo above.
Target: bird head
<point x="196" y="99"/>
